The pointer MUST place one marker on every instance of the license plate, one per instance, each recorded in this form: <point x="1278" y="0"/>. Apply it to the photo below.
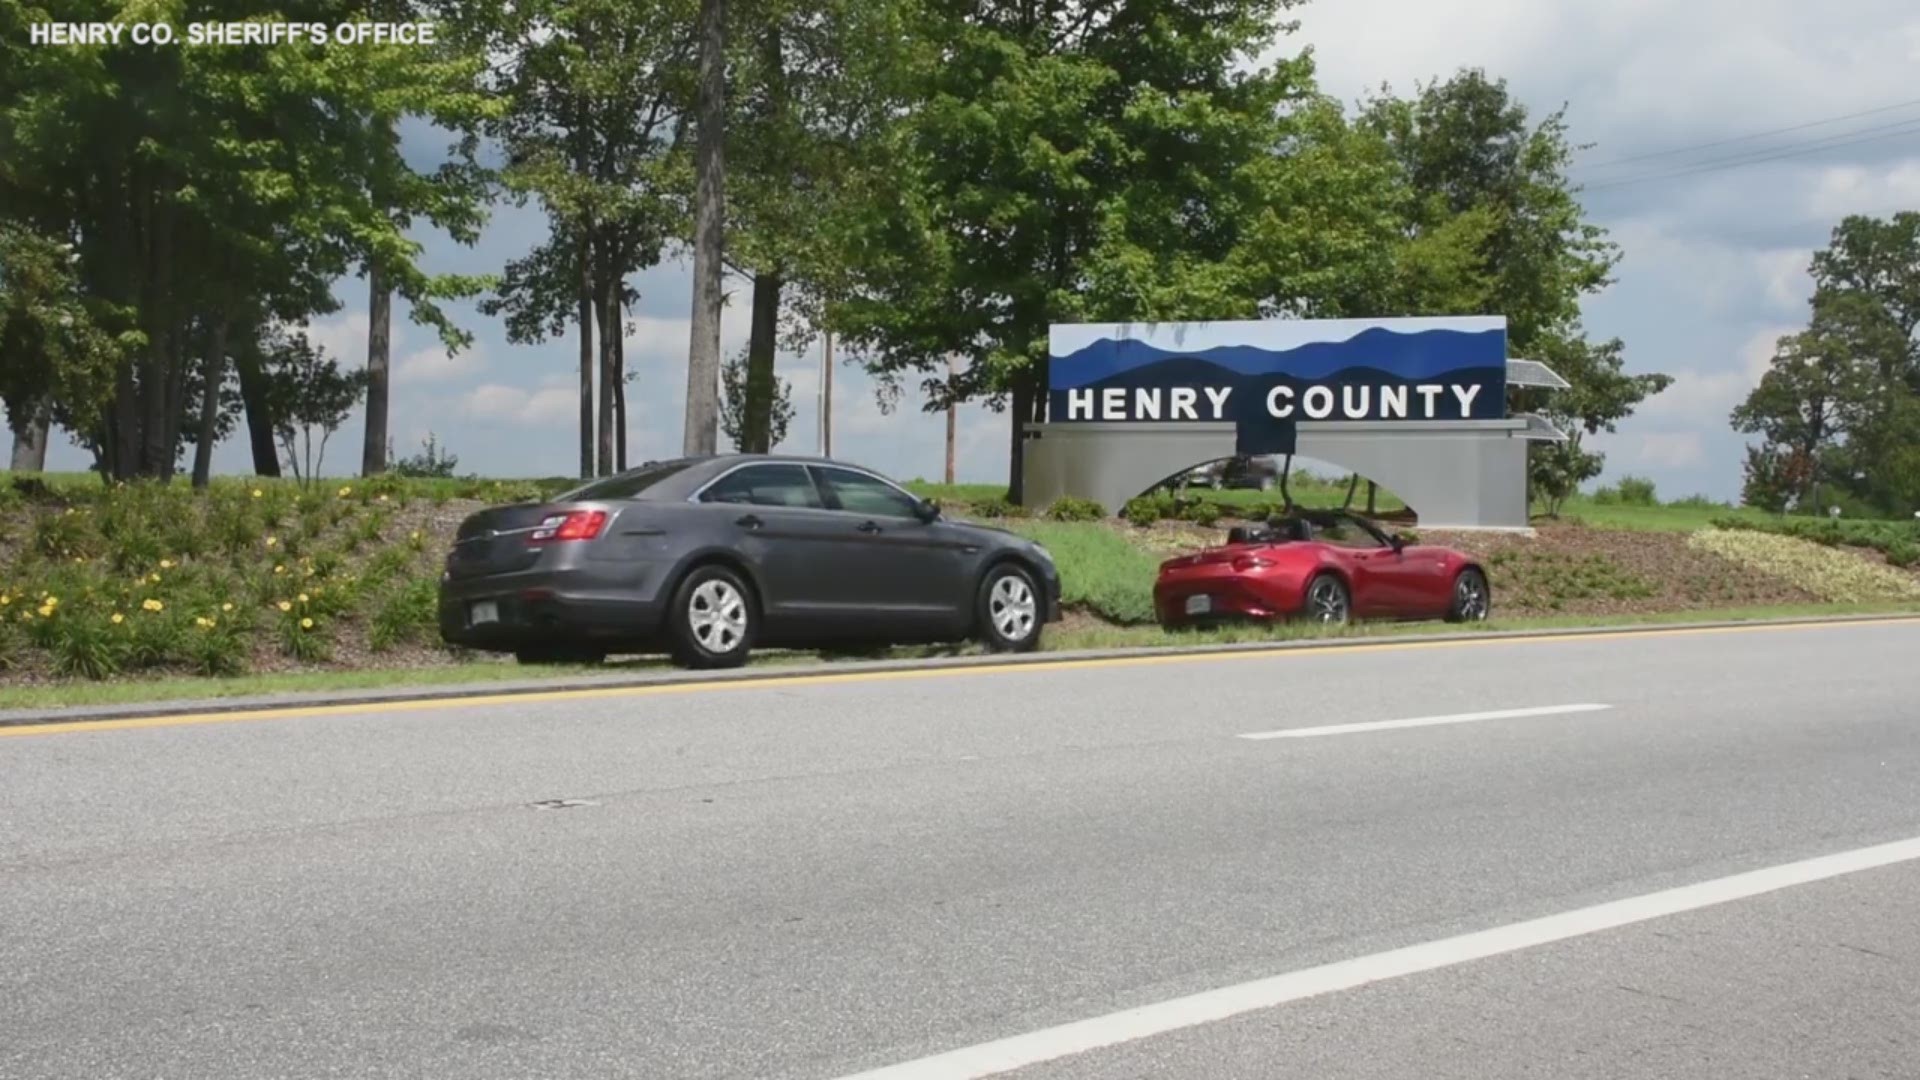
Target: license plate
<point x="1199" y="605"/>
<point x="485" y="611"/>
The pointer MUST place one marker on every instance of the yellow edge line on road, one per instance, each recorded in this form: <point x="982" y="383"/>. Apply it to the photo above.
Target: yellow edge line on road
<point x="777" y="682"/>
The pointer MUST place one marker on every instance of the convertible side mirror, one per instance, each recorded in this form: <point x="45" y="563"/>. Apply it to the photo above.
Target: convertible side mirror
<point x="1400" y="541"/>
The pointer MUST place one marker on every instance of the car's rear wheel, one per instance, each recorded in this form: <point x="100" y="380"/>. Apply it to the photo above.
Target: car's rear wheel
<point x="1328" y="601"/>
<point x="713" y="621"/>
<point x="557" y="655"/>
<point x="1472" y="598"/>
<point x="1009" y="613"/>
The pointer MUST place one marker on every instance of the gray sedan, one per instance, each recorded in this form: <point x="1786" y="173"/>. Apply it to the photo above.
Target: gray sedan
<point x="709" y="557"/>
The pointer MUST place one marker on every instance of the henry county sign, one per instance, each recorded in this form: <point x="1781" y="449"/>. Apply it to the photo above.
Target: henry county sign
<point x="1265" y="377"/>
<point x="1417" y="405"/>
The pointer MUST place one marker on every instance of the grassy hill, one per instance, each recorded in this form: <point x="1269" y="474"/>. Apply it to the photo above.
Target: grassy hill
<point x="256" y="584"/>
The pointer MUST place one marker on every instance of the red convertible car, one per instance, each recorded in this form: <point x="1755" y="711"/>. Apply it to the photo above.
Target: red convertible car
<point x="1326" y="566"/>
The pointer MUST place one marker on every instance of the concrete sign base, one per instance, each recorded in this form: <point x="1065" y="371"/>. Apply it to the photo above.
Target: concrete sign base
<point x="1452" y="473"/>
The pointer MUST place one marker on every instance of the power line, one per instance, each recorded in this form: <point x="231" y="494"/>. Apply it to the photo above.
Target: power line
<point x="1910" y="127"/>
<point x="1749" y="138"/>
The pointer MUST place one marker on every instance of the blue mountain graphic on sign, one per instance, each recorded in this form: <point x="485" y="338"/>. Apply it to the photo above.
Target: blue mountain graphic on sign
<point x="1423" y="355"/>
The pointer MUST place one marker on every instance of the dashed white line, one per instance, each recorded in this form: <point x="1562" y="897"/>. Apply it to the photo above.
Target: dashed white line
<point x="1049" y="1044"/>
<point x="1422" y="721"/>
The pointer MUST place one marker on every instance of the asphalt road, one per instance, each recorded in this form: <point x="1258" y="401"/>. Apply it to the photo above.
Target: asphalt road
<point x="811" y="881"/>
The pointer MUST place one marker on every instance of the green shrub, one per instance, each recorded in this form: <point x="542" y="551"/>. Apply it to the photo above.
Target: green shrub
<point x="1142" y="510"/>
<point x="216" y="647"/>
<point x="1903" y="553"/>
<point x="1074" y="508"/>
<point x="406" y="616"/>
<point x="1100" y="569"/>
<point x="85" y="647"/>
<point x="1202" y="513"/>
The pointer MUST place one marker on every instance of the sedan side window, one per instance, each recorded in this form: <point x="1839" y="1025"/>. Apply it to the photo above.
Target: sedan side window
<point x="858" y="493"/>
<point x="765" y="485"/>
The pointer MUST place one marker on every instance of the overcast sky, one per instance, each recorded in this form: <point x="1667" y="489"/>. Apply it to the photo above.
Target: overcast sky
<point x="1714" y="269"/>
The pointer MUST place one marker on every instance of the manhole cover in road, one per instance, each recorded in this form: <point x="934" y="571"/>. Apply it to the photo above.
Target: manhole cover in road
<point x="561" y="804"/>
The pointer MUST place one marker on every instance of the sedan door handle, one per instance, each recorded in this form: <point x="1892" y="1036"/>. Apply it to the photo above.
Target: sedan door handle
<point x="869" y="527"/>
<point x="748" y="522"/>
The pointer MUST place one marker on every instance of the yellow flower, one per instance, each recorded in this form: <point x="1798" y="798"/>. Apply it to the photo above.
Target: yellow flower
<point x="78" y="561"/>
<point x="226" y="607"/>
<point x="152" y="605"/>
<point x="383" y="498"/>
<point x="26" y="616"/>
<point x="279" y="569"/>
<point x="285" y="605"/>
<point x="52" y="601"/>
<point x="47" y="612"/>
<point x="202" y="622"/>
<point x="5" y="600"/>
<point x="118" y="618"/>
<point x="153" y="578"/>
<point x="306" y="624"/>
<point x="166" y="564"/>
<point x="309" y="571"/>
<point x="303" y="598"/>
<point x="345" y="491"/>
<point x="416" y="534"/>
<point x="256" y="493"/>
<point x="272" y="540"/>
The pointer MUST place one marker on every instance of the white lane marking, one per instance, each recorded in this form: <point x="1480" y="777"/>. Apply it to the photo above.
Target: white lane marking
<point x="1422" y="721"/>
<point x="1048" y="1044"/>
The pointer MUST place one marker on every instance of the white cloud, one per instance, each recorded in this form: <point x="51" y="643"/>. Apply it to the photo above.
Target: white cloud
<point x="548" y="406"/>
<point x="343" y="336"/>
<point x="1668" y="449"/>
<point x="435" y="365"/>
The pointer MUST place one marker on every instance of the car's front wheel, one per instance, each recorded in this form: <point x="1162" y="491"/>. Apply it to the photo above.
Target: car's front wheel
<point x="1009" y="615"/>
<point x="1472" y="598"/>
<point x="713" y="621"/>
<point x="1328" y="601"/>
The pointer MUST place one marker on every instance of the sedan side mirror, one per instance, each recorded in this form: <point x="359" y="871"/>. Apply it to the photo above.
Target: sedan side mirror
<point x="927" y="510"/>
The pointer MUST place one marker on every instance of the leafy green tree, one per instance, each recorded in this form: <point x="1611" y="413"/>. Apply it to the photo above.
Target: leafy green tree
<point x="737" y="396"/>
<point x="1838" y="410"/>
<point x="592" y="130"/>
<point x="1089" y="161"/>
<point x="312" y="396"/>
<point x="1601" y="394"/>
<point x="256" y="167"/>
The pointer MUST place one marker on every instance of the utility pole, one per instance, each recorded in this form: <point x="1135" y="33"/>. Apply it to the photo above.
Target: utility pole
<point x="826" y="397"/>
<point x="950" y="417"/>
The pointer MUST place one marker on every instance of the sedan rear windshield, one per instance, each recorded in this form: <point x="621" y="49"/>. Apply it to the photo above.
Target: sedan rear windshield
<point x="626" y="485"/>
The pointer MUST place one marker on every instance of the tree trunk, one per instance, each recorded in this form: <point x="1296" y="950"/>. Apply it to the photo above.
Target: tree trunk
<point x="215" y="374"/>
<point x="586" y="359"/>
<point x="373" y="452"/>
<point x="260" y="419"/>
<point x="756" y="413"/>
<point x="176" y="399"/>
<point x="703" y="351"/>
<point x="620" y="389"/>
<point x="605" y="301"/>
<point x="30" y="442"/>
<point x="1019" y="412"/>
<point x="952" y="412"/>
<point x="826" y="397"/>
<point x="1372" y="491"/>
<point x="155" y="376"/>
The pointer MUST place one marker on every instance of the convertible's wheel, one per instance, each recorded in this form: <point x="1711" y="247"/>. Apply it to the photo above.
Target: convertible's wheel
<point x="1472" y="599"/>
<point x="1328" y="601"/>
<point x="713" y="621"/>
<point x="558" y="654"/>
<point x="1009" y="615"/>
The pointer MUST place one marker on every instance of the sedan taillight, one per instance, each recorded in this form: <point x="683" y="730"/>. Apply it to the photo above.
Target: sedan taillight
<point x="574" y="525"/>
